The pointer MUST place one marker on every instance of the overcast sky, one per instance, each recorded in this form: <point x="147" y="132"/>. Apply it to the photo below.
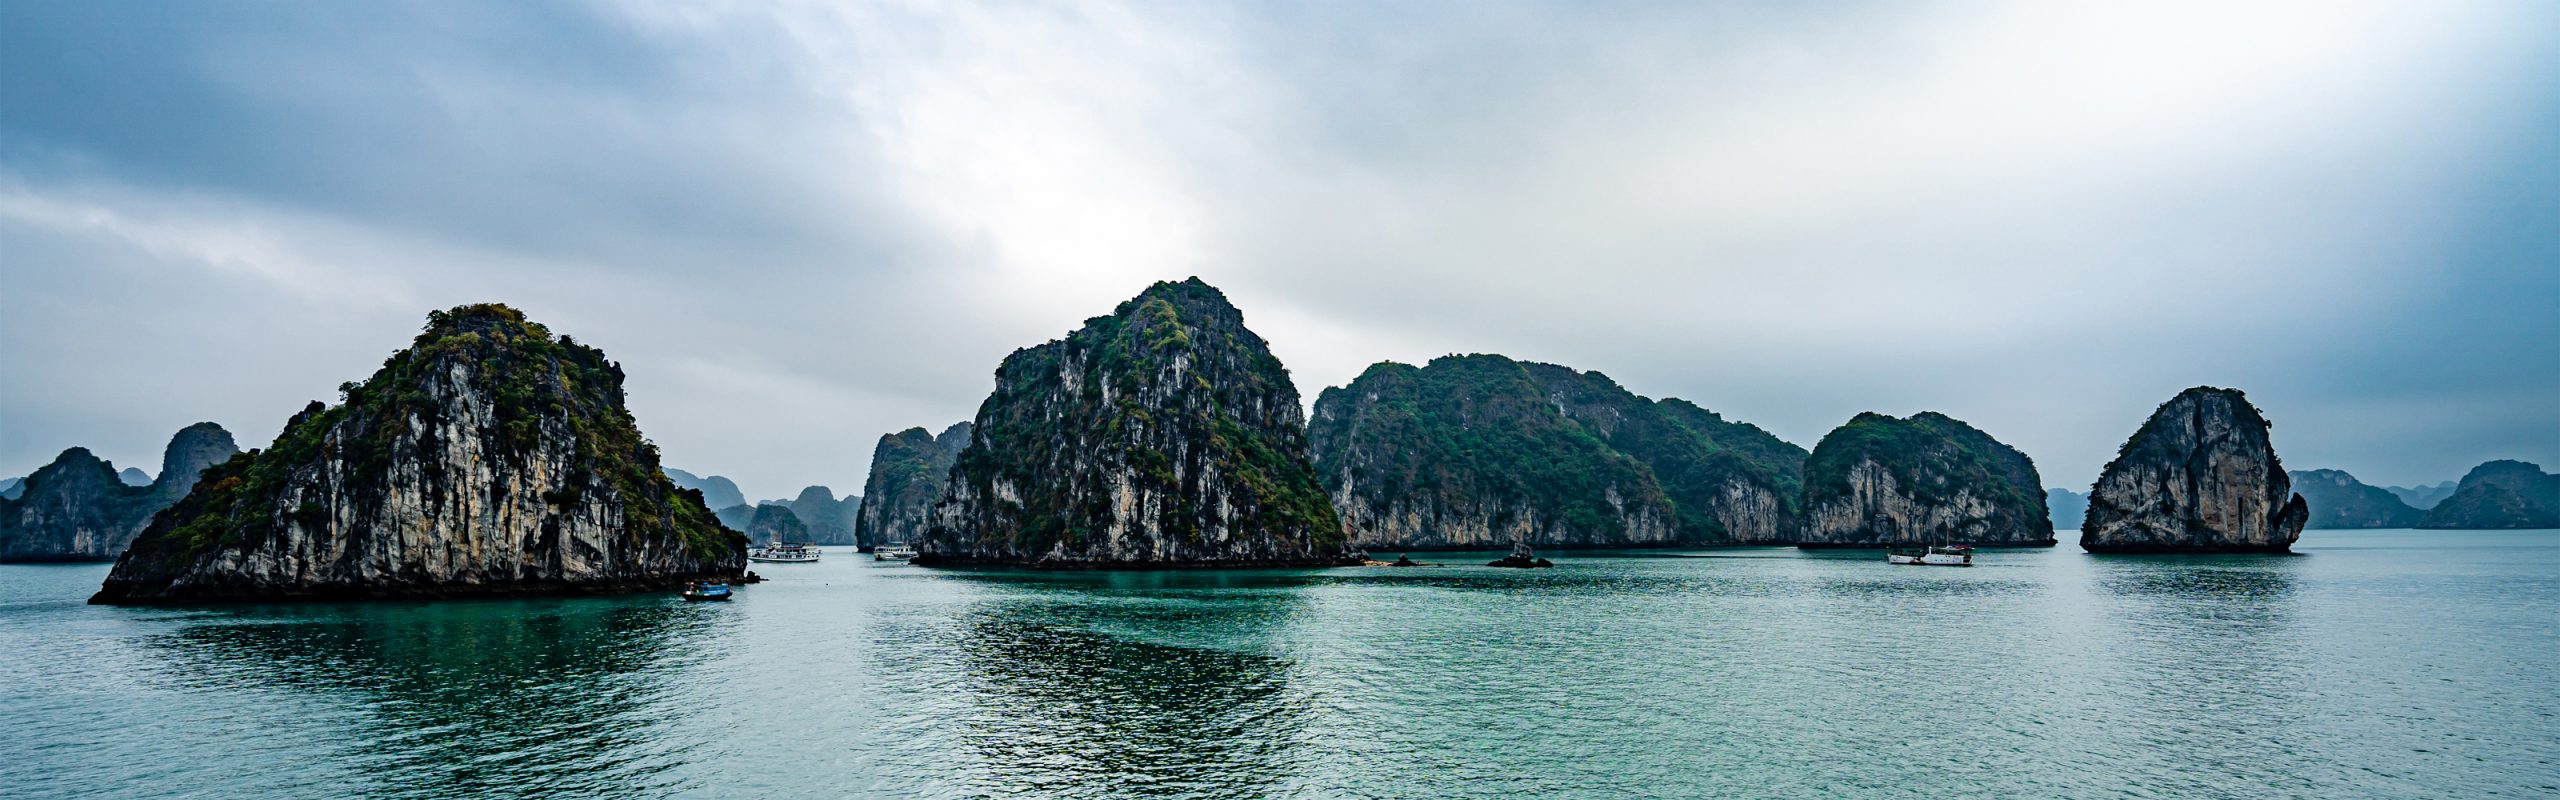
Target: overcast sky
<point x="799" y="226"/>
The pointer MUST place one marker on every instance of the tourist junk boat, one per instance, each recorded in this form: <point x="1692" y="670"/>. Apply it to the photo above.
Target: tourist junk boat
<point x="780" y="553"/>
<point x="699" y="591"/>
<point x="1932" y="556"/>
<point x="893" y="551"/>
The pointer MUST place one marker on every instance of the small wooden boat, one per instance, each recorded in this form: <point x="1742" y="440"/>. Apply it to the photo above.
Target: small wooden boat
<point x="699" y="591"/>
<point x="1935" y="556"/>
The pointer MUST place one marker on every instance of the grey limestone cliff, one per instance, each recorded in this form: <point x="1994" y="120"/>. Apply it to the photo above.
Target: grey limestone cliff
<point x="490" y="457"/>
<point x="907" y="473"/>
<point x="2199" y="477"/>
<point x="1482" y="451"/>
<point x="1162" y="435"/>
<point x="1929" y="479"/>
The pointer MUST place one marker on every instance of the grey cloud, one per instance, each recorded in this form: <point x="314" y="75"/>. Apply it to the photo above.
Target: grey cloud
<point x="804" y="225"/>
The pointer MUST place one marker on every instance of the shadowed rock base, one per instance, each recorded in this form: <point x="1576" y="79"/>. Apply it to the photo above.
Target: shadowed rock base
<point x="123" y="594"/>
<point x="2284" y="549"/>
<point x="1883" y="545"/>
<point x="931" y="560"/>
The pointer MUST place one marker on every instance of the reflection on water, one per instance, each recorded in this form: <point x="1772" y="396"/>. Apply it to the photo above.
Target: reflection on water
<point x="2399" y="664"/>
<point x="474" y="698"/>
<point x="1064" y="712"/>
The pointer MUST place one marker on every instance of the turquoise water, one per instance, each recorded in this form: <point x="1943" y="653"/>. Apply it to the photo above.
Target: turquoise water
<point x="2375" y="664"/>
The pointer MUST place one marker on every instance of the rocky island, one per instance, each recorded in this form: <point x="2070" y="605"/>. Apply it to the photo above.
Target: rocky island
<point x="775" y="522"/>
<point x="79" y="508"/>
<point x="488" y="458"/>
<point x="1162" y="435"/>
<point x="1482" y="451"/>
<point x="2500" y="494"/>
<point x="907" y="473"/>
<point x="1883" y="481"/>
<point x="2199" y="477"/>
<point x="829" y="521"/>
<point x="2337" y="500"/>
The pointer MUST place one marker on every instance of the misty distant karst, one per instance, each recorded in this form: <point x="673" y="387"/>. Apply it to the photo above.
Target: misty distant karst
<point x="79" y="508"/>
<point x="717" y="492"/>
<point x="2500" y="494"/>
<point x="2337" y="500"/>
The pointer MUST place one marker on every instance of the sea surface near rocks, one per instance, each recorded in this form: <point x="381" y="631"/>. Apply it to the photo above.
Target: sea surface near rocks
<point x="2372" y="664"/>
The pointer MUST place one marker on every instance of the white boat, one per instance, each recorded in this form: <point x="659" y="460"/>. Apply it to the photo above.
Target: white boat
<point x="1936" y="556"/>
<point x="781" y="553"/>
<point x="893" y="551"/>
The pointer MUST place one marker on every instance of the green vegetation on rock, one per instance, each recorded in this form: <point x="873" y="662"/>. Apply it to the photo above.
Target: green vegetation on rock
<point x="524" y="396"/>
<point x="1164" y="433"/>
<point x="1928" y="479"/>
<point x="1477" y="450"/>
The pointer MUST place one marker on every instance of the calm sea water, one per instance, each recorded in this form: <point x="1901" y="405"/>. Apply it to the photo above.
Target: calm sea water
<point x="2375" y="664"/>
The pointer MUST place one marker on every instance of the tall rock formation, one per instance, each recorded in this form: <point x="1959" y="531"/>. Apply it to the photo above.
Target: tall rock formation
<point x="908" y="469"/>
<point x="772" y="522"/>
<point x="2066" y="508"/>
<point x="2500" y="494"/>
<point x="829" y="521"/>
<point x="82" y="509"/>
<point x="1931" y="479"/>
<point x="1482" y="451"/>
<point x="2199" y="477"/>
<point x="489" y="457"/>
<point x="1165" y="434"/>
<point x="2337" y="500"/>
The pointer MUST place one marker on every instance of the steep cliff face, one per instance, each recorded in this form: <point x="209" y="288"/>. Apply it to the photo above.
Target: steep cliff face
<point x="2500" y="494"/>
<point x="1930" y="479"/>
<point x="2336" y="499"/>
<point x="908" y="469"/>
<point x="1728" y="482"/>
<point x="74" y="509"/>
<point x="2199" y="477"/>
<point x="1165" y="434"/>
<point x="487" y="458"/>
<point x="1483" y="451"/>
<point x="83" y="510"/>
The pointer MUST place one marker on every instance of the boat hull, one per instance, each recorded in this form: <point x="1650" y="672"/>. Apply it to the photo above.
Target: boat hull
<point x="1932" y="558"/>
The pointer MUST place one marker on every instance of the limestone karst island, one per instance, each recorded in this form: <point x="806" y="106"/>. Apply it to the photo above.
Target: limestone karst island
<point x="1249" y="400"/>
